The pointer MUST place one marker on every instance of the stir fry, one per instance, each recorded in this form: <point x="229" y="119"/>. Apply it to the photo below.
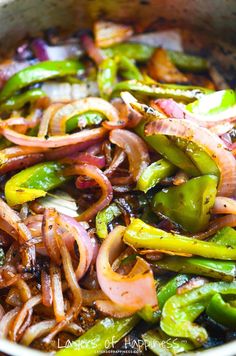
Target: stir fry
<point x="117" y="207"/>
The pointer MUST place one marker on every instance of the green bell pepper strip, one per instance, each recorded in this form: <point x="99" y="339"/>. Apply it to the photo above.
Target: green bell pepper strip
<point x="88" y="118"/>
<point x="199" y="157"/>
<point x="33" y="182"/>
<point x="163" y="345"/>
<point x="136" y="51"/>
<point x="187" y="62"/>
<point x="178" y="92"/>
<point x="224" y="270"/>
<point x="154" y="173"/>
<point x="213" y="103"/>
<point x="39" y="72"/>
<point x="221" y="311"/>
<point x="128" y="69"/>
<point x="180" y="311"/>
<point x="101" y="337"/>
<point x="107" y="76"/>
<point x="188" y="204"/>
<point x="169" y="150"/>
<point x="18" y="101"/>
<point x="141" y="235"/>
<point x="225" y="236"/>
<point x="104" y="217"/>
<point x="163" y="294"/>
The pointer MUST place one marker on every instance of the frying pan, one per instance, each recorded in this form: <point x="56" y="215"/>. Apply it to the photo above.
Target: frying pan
<point x="207" y="26"/>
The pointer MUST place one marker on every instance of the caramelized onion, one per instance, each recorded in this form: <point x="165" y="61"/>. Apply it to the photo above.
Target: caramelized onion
<point x="132" y="291"/>
<point x="53" y="142"/>
<point x="22" y="315"/>
<point x="109" y="33"/>
<point x="46" y="289"/>
<point x="77" y="107"/>
<point x="96" y="174"/>
<point x="134" y="147"/>
<point x="49" y="231"/>
<point x="211" y="143"/>
<point x="80" y="235"/>
<point x="107" y="307"/>
<point x="43" y="328"/>
<point x="58" y="301"/>
<point x="6" y="322"/>
<point x="217" y="224"/>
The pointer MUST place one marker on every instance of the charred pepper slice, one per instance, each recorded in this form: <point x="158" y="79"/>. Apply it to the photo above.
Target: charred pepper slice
<point x="141" y="235"/>
<point x="154" y="173"/>
<point x="33" y="182"/>
<point x="224" y="270"/>
<point x="104" y="217"/>
<point x="188" y="204"/>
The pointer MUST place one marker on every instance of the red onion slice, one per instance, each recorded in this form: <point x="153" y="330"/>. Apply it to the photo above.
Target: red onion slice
<point x="53" y="142"/>
<point x="177" y="111"/>
<point x="63" y="114"/>
<point x="82" y="238"/>
<point x="134" y="147"/>
<point x="224" y="205"/>
<point x="104" y="183"/>
<point x="211" y="143"/>
<point x="132" y="291"/>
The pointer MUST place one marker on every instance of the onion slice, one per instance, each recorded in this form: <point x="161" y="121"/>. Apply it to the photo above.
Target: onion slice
<point x="6" y="322"/>
<point x="43" y="327"/>
<point x="217" y="224"/>
<point x="211" y="143"/>
<point x="104" y="183"/>
<point x="53" y="142"/>
<point x="64" y="113"/>
<point x="109" y="33"/>
<point x="58" y="301"/>
<point x="132" y="291"/>
<point x="134" y="147"/>
<point x="80" y="235"/>
<point x="224" y="205"/>
<point x="173" y="109"/>
<point x="107" y="307"/>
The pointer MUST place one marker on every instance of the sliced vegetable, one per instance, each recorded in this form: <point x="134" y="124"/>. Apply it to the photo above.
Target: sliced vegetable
<point x="187" y="62"/>
<point x="104" y="217"/>
<point x="140" y="235"/>
<point x="89" y="118"/>
<point x="163" y="345"/>
<point x="188" y="204"/>
<point x="180" y="311"/>
<point x="178" y="92"/>
<point x="224" y="270"/>
<point x="109" y="33"/>
<point x="211" y="143"/>
<point x="33" y="182"/>
<point x="136" y="51"/>
<point x="221" y="311"/>
<point x="100" y="337"/>
<point x="168" y="149"/>
<point x="38" y="73"/>
<point x="213" y="103"/>
<point x="154" y="173"/>
<point x="18" y="101"/>
<point x="107" y="76"/>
